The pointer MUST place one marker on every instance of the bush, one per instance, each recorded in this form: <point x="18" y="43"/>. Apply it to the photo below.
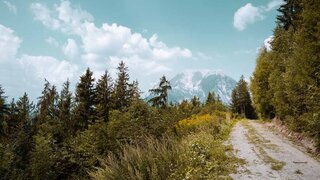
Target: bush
<point x="198" y="154"/>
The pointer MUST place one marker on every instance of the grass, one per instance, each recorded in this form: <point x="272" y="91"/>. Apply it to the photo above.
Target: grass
<point x="260" y="144"/>
<point x="200" y="154"/>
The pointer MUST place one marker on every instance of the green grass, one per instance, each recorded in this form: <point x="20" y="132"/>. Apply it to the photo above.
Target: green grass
<point x="201" y="154"/>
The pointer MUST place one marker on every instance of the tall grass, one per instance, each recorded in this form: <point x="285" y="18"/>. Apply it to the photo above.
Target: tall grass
<point x="197" y="155"/>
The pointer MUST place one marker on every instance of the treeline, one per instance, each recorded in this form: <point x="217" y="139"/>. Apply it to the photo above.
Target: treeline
<point x="286" y="81"/>
<point x="65" y="135"/>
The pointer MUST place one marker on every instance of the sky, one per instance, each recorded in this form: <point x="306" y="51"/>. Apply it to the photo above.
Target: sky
<point x="58" y="40"/>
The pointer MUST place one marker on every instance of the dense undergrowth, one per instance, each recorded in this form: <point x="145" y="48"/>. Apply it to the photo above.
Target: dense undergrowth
<point x="192" y="149"/>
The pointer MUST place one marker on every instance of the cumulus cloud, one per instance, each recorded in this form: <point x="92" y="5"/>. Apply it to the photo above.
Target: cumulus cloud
<point x="249" y="14"/>
<point x="54" y="70"/>
<point x="9" y="44"/>
<point x="273" y="4"/>
<point x="246" y="15"/>
<point x="267" y="43"/>
<point x="70" y="49"/>
<point x="52" y="42"/>
<point x="26" y="73"/>
<point x="11" y="7"/>
<point x="102" y="45"/>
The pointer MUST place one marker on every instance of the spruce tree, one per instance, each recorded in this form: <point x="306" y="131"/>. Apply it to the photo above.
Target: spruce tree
<point x="64" y="109"/>
<point x="134" y="91"/>
<point x="195" y="101"/>
<point x="104" y="97"/>
<point x="210" y="98"/>
<point x="290" y="11"/>
<point x="121" y="92"/>
<point x="85" y="97"/>
<point x="161" y="93"/>
<point x="241" y="100"/>
<point x="25" y="110"/>
<point x="47" y="104"/>
<point x="260" y="87"/>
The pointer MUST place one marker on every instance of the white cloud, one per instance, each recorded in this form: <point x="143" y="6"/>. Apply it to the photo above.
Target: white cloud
<point x="70" y="49"/>
<point x="102" y="45"/>
<point x="9" y="44"/>
<point x="26" y="73"/>
<point x="43" y="13"/>
<point x="52" y="41"/>
<point x="55" y="71"/>
<point x="246" y="15"/>
<point x="267" y="43"/>
<point x="249" y="14"/>
<point x="11" y="7"/>
<point x="273" y="4"/>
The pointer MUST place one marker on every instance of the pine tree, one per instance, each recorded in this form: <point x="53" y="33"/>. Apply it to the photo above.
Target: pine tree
<point x="12" y="118"/>
<point x="85" y="100"/>
<point x="47" y="104"/>
<point x="64" y="109"/>
<point x="121" y="93"/>
<point x="23" y="140"/>
<point x="104" y="97"/>
<point x="241" y="100"/>
<point x="260" y="87"/>
<point x="161" y="93"/>
<point x="25" y="110"/>
<point x="290" y="11"/>
<point x="195" y="101"/>
<point x="210" y="98"/>
<point x="134" y="91"/>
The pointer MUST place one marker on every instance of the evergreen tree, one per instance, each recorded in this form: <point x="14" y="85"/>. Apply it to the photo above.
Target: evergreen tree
<point x="25" y="110"/>
<point x="23" y="138"/>
<point x="85" y="98"/>
<point x="260" y="87"/>
<point x="161" y="93"/>
<point x="241" y="100"/>
<point x="195" y="101"/>
<point x="290" y="11"/>
<point x="104" y="97"/>
<point x="12" y="118"/>
<point x="210" y="98"/>
<point x="47" y="104"/>
<point x="121" y="93"/>
<point x="134" y="91"/>
<point x="64" y="109"/>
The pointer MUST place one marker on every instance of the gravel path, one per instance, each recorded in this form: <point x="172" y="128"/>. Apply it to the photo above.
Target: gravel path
<point x="268" y="156"/>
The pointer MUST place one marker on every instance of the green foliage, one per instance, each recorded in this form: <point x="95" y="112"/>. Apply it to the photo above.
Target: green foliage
<point x="241" y="100"/>
<point x="121" y="94"/>
<point x="104" y="94"/>
<point x="84" y="111"/>
<point x="161" y="93"/>
<point x="291" y="84"/>
<point x="210" y="98"/>
<point x="67" y="137"/>
<point x="198" y="155"/>
<point x="260" y="86"/>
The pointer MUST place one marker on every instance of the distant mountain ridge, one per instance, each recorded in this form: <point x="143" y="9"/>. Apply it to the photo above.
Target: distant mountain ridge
<point x="199" y="83"/>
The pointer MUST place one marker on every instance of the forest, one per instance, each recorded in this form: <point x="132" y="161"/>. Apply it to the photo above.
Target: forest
<point x="105" y="129"/>
<point x="286" y="81"/>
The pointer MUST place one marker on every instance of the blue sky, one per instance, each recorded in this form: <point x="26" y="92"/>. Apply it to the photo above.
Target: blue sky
<point x="57" y="40"/>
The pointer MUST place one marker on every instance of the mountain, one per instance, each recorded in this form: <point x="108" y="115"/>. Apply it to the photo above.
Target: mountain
<point x="199" y="83"/>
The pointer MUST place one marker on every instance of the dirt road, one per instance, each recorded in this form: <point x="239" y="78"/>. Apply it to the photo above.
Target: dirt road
<point x="269" y="156"/>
